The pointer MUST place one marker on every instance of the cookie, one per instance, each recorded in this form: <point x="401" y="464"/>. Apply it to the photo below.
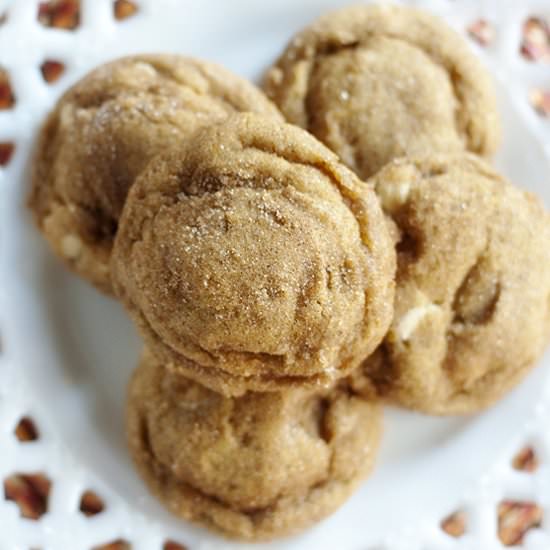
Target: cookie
<point x="379" y="82"/>
<point x="104" y="131"/>
<point x="254" y="260"/>
<point x="254" y="467"/>
<point x="472" y="304"/>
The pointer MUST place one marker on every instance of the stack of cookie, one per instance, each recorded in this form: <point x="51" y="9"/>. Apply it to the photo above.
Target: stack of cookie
<point x="287" y="278"/>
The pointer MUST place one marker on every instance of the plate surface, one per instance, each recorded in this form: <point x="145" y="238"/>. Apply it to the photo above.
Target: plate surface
<point x="75" y="348"/>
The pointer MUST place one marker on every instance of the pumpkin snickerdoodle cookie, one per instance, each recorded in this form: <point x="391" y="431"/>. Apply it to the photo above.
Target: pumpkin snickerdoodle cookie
<point x="472" y="305"/>
<point x="254" y="467"/>
<point x="254" y="260"/>
<point x="379" y="82"/>
<point x="104" y="131"/>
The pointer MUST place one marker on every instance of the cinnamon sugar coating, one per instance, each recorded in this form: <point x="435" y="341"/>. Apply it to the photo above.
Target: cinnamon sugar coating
<point x="254" y="467"/>
<point x="254" y="260"/>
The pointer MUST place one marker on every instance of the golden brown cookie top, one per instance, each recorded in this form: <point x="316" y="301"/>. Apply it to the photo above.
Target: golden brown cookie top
<point x="254" y="259"/>
<point x="103" y="132"/>
<point x="472" y="306"/>
<point x="272" y="460"/>
<point x="379" y="82"/>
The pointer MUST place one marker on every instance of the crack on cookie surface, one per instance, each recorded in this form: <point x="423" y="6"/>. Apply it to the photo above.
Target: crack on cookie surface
<point x="409" y="248"/>
<point x="314" y="418"/>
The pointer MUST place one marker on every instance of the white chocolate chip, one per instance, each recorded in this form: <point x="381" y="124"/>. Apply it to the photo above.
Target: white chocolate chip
<point x="410" y="321"/>
<point x="71" y="246"/>
<point x="393" y="195"/>
<point x="146" y="69"/>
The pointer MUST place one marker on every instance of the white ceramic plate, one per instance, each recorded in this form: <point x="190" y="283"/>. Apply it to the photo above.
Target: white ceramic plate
<point x="72" y="350"/>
